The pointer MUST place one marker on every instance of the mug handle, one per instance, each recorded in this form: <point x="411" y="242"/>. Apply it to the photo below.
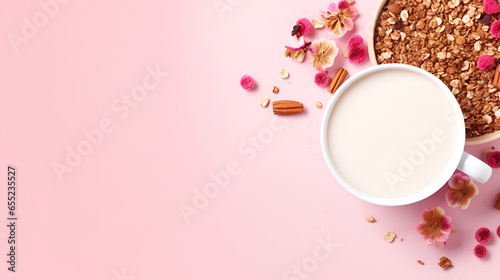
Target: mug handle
<point x="475" y="168"/>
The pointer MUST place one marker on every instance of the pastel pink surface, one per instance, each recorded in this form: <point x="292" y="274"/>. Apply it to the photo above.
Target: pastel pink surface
<point x="116" y="214"/>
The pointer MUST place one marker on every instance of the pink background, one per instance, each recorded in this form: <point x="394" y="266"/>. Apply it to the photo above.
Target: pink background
<point x="116" y="214"/>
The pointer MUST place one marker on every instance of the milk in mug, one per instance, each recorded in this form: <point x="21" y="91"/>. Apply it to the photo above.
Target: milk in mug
<point x="392" y="133"/>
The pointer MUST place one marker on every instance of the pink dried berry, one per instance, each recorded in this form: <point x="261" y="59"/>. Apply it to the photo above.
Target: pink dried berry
<point x="485" y="62"/>
<point x="356" y="55"/>
<point x="355" y="41"/>
<point x="495" y="29"/>
<point x="247" y="82"/>
<point x="490" y="7"/>
<point x="483" y="235"/>
<point x="480" y="251"/>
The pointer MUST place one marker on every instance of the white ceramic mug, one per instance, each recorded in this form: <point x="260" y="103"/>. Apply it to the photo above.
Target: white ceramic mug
<point x="394" y="134"/>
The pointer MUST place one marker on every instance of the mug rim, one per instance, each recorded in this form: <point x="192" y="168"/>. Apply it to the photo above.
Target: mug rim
<point x="432" y="187"/>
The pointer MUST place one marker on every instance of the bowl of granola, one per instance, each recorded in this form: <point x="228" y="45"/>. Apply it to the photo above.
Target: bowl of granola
<point x="445" y="38"/>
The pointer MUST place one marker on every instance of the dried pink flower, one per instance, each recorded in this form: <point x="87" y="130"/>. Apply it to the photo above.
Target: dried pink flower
<point x="355" y="41"/>
<point x="485" y="62"/>
<point x="493" y="159"/>
<point x="490" y="7"/>
<point x="305" y="25"/>
<point x="356" y="55"/>
<point x="339" y="19"/>
<point x="436" y="226"/>
<point x="247" y="82"/>
<point x="483" y="235"/>
<point x="323" y="53"/>
<point x="495" y="29"/>
<point x="461" y="189"/>
<point x="480" y="251"/>
<point x="322" y="79"/>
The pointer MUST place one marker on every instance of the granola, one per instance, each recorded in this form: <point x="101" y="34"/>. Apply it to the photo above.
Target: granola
<point x="445" y="38"/>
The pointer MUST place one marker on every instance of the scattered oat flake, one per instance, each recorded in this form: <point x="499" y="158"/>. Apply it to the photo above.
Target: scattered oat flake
<point x="284" y="73"/>
<point x="319" y="105"/>
<point x="317" y="23"/>
<point x="420" y="262"/>
<point x="389" y="236"/>
<point x="264" y="101"/>
<point x="345" y="53"/>
<point x="370" y="219"/>
<point x="445" y="263"/>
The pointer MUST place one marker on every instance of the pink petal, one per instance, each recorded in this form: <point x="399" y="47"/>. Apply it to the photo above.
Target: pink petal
<point x="466" y="204"/>
<point x="458" y="180"/>
<point x="446" y="223"/>
<point x="349" y="24"/>
<point x="442" y="238"/>
<point x="450" y="198"/>
<point x="353" y="12"/>
<point x="332" y="8"/>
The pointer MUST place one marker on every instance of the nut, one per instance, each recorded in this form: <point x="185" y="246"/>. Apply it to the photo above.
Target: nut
<point x="370" y="219"/>
<point x="284" y="73"/>
<point x="276" y="89"/>
<point x="319" y="105"/>
<point x="389" y="236"/>
<point x="395" y="9"/>
<point x="445" y="263"/>
<point x="287" y="107"/>
<point x="420" y="262"/>
<point x="264" y="101"/>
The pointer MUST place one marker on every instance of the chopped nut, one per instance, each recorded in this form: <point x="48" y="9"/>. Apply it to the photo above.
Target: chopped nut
<point x="284" y="73"/>
<point x="317" y="23"/>
<point x="465" y="66"/>
<point x="420" y="262"/>
<point x="395" y="9"/>
<point x="370" y="219"/>
<point x="264" y="101"/>
<point x="319" y="105"/>
<point x="402" y="239"/>
<point x="345" y="53"/>
<point x="445" y="263"/>
<point x="497" y="203"/>
<point x="276" y="89"/>
<point x="488" y="119"/>
<point x="389" y="236"/>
